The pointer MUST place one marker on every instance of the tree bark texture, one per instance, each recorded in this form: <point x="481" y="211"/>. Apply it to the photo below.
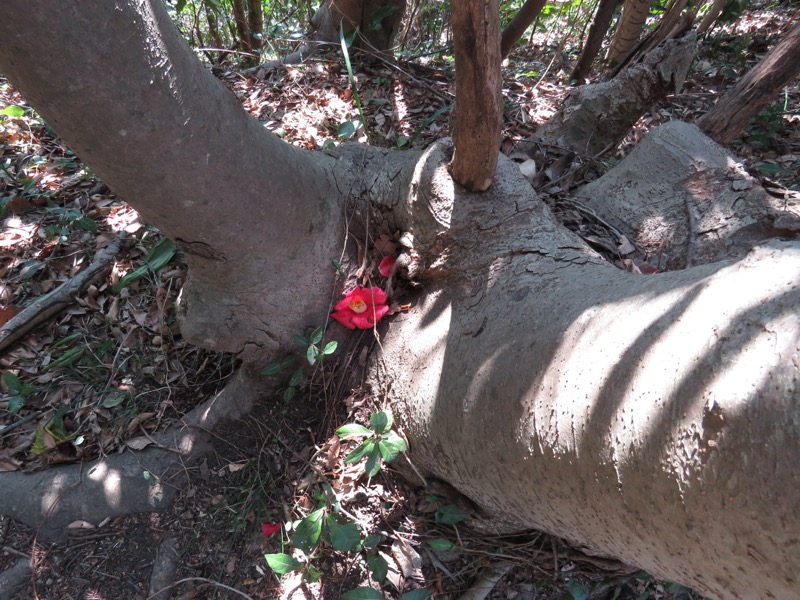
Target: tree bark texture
<point x="651" y="418"/>
<point x="186" y="187"/>
<point x="380" y="36"/>
<point x="596" y="117"/>
<point x="478" y="113"/>
<point x="517" y="26"/>
<point x="242" y="25"/>
<point x="711" y="16"/>
<point x="634" y="15"/>
<point x="626" y="412"/>
<point x="255" y="23"/>
<point x="594" y="41"/>
<point x="731" y="114"/>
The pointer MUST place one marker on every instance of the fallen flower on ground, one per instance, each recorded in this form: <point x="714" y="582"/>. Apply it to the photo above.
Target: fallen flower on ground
<point x="361" y="308"/>
<point x="269" y="528"/>
<point x="386" y="266"/>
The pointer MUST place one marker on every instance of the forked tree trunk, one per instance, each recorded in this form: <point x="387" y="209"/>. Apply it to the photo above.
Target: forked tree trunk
<point x="517" y="26"/>
<point x="654" y="419"/>
<point x="594" y="41"/>
<point x="731" y="114"/>
<point x="478" y="113"/>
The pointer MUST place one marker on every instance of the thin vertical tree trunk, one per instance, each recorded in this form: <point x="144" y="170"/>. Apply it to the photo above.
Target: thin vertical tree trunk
<point x="213" y="27"/>
<point x="731" y="114"/>
<point x="242" y="27"/>
<point x="478" y="112"/>
<point x="634" y="15"/>
<point x="711" y="16"/>
<point x="255" y="21"/>
<point x="598" y="30"/>
<point x="521" y="21"/>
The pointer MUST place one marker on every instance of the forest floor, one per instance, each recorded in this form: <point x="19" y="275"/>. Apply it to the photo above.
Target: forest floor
<point x="110" y="369"/>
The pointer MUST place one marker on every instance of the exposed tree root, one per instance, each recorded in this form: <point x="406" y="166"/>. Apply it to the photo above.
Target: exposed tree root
<point x="119" y="485"/>
<point x="162" y="577"/>
<point x="15" y="577"/>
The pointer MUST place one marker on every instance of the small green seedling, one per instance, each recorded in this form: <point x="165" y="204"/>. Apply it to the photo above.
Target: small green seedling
<point x="314" y="351"/>
<point x="18" y="392"/>
<point x="382" y="443"/>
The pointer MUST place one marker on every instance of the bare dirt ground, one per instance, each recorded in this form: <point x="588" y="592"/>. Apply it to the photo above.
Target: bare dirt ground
<point x="101" y="375"/>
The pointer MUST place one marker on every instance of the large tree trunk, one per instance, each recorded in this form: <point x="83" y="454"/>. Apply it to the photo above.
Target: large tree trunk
<point x="652" y="418"/>
<point x="731" y="114"/>
<point x="375" y="33"/>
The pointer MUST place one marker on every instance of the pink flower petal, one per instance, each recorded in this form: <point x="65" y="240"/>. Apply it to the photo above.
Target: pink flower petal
<point x="386" y="266"/>
<point x="269" y="529"/>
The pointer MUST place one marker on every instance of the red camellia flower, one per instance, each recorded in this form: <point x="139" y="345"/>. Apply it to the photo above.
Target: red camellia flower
<point x="269" y="528"/>
<point x="361" y="308"/>
<point x="386" y="266"/>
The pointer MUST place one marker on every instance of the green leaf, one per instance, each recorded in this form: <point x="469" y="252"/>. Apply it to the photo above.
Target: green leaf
<point x="271" y="368"/>
<point x="312" y="573"/>
<point x="401" y="141"/>
<point x="13" y="111"/>
<point x="372" y="540"/>
<point x="330" y="347"/>
<point x="308" y="532"/>
<point x="420" y="594"/>
<point x="362" y="593"/>
<point x="352" y="429"/>
<point x="577" y="591"/>
<point x="360" y="452"/>
<point x="282" y="563"/>
<point x="391" y="445"/>
<point x="287" y="362"/>
<point x="373" y="463"/>
<point x="450" y="514"/>
<point x="15" y="404"/>
<point x="316" y="336"/>
<point x="345" y="537"/>
<point x="346" y="130"/>
<point x="311" y="355"/>
<point x="149" y="478"/>
<point x="157" y="258"/>
<point x="441" y="545"/>
<point x="381" y="421"/>
<point x="86" y="224"/>
<point x="380" y="14"/>
<point x="378" y="567"/>
<point x="12" y="382"/>
<point x="297" y="377"/>
<point x="336" y="264"/>
<point x="289" y="393"/>
<point x="301" y="341"/>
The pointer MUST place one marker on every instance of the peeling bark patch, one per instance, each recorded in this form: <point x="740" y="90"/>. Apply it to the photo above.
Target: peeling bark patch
<point x="200" y="249"/>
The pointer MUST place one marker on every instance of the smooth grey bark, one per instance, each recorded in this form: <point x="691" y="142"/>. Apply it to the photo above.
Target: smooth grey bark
<point x="651" y="418"/>
<point x="132" y="100"/>
<point x="654" y="419"/>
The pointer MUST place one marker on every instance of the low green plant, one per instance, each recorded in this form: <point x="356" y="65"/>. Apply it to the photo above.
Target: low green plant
<point x="314" y="352"/>
<point x="382" y="443"/>
<point x="18" y="392"/>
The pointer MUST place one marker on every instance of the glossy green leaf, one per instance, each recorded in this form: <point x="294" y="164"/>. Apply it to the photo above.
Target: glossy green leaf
<point x="373" y="463"/>
<point x="283" y="563"/>
<point x="345" y="537"/>
<point x="312" y="574"/>
<point x="330" y="347"/>
<point x="441" y="545"/>
<point x="316" y="335"/>
<point x="300" y="341"/>
<point x="372" y="540"/>
<point x="13" y="111"/>
<point x="157" y="258"/>
<point x="352" y="429"/>
<point x="381" y="421"/>
<point x="378" y="567"/>
<point x="311" y="355"/>
<point x="364" y="448"/>
<point x="297" y="377"/>
<point x="306" y="535"/>
<point x="271" y="368"/>
<point x="391" y="445"/>
<point x="362" y="593"/>
<point x="450" y="514"/>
